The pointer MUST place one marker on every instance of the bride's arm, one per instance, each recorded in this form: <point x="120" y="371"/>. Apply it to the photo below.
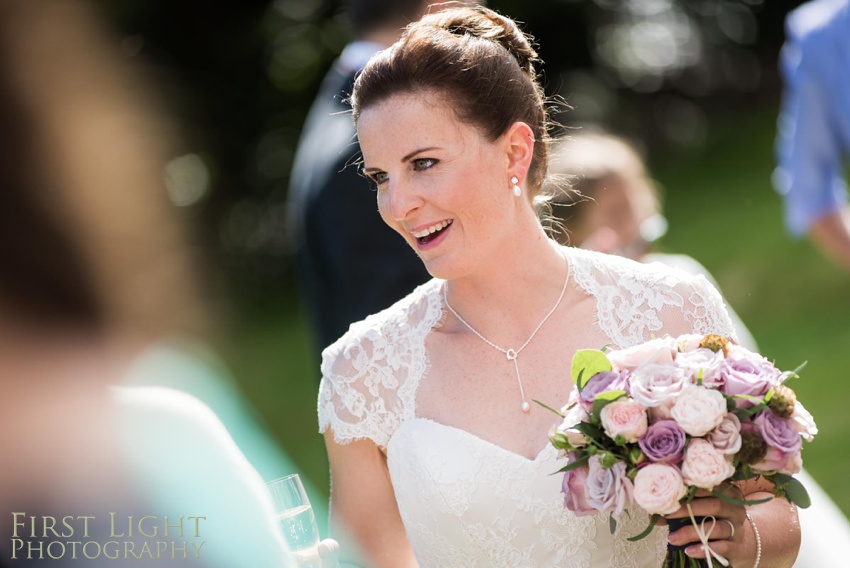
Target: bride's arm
<point x="363" y="504"/>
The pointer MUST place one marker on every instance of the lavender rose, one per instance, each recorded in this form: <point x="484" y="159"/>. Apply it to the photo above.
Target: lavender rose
<point x="779" y="433"/>
<point x="653" y="384"/>
<point x="704" y="362"/>
<point x="574" y="488"/>
<point x="726" y="438"/>
<point x="608" y="489"/>
<point x="604" y="381"/>
<point x="745" y="372"/>
<point x="663" y="441"/>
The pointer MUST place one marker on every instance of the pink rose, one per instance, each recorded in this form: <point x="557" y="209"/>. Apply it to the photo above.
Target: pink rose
<point x="624" y="417"/>
<point x="793" y="465"/>
<point x="658" y="488"/>
<point x="774" y="460"/>
<point x="660" y="351"/>
<point x="575" y="495"/>
<point x="726" y="438"/>
<point x="699" y="410"/>
<point x="704" y="466"/>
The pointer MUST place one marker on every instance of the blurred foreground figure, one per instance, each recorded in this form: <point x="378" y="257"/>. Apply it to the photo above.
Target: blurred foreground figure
<point x="813" y="138"/>
<point x="350" y="263"/>
<point x="93" y="271"/>
<point x="617" y="210"/>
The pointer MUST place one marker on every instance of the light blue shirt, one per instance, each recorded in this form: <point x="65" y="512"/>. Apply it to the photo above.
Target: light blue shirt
<point x="814" y="124"/>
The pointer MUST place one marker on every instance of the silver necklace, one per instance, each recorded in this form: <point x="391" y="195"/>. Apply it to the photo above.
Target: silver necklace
<point x="512" y="354"/>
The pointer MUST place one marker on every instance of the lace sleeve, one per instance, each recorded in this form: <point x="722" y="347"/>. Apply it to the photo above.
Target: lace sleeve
<point x="369" y="376"/>
<point x="636" y="302"/>
<point x="703" y="310"/>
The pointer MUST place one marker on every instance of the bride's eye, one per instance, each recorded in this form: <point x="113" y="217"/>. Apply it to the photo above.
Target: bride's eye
<point x="378" y="177"/>
<point x="420" y="164"/>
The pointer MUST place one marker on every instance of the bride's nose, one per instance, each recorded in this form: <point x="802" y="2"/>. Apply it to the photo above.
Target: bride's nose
<point x="401" y="200"/>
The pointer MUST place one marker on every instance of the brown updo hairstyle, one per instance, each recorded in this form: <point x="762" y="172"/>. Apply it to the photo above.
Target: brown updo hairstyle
<point x="475" y="58"/>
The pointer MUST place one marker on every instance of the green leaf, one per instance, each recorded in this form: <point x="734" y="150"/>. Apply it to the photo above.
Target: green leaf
<point x="612" y="523"/>
<point x="603" y="399"/>
<point x="558" y="412"/>
<point x="733" y="501"/>
<point x="586" y="363"/>
<point x="591" y="431"/>
<point x="582" y="461"/>
<point x="652" y="520"/>
<point x="800" y="368"/>
<point x="751" y="411"/>
<point x="795" y="492"/>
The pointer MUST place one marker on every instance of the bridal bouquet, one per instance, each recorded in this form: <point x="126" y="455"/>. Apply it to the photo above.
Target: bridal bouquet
<point x="653" y="424"/>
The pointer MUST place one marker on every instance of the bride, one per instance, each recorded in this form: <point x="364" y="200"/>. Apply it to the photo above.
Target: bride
<point x="438" y="455"/>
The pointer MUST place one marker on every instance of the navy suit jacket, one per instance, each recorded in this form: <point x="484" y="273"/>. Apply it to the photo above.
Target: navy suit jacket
<point x="351" y="264"/>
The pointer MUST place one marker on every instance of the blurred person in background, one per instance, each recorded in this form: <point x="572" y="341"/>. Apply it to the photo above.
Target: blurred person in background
<point x="350" y="263"/>
<point x="813" y="139"/>
<point x="94" y="273"/>
<point x="613" y="206"/>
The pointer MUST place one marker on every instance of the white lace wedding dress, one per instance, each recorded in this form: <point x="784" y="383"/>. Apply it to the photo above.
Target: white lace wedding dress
<point x="466" y="502"/>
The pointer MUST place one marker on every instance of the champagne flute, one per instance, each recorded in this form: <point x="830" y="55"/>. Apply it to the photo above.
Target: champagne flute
<point x="296" y="520"/>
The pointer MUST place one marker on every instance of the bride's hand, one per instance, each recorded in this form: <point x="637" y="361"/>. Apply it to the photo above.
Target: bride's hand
<point x="729" y="535"/>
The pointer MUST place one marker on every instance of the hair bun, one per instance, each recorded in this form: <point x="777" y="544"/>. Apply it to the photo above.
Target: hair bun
<point x="477" y="21"/>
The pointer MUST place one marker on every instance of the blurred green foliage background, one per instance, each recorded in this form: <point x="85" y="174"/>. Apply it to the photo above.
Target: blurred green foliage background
<point x="694" y="81"/>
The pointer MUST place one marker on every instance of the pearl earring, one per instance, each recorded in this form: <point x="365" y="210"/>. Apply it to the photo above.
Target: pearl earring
<point x="517" y="188"/>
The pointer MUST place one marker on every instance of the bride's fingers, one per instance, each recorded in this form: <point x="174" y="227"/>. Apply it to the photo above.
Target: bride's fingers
<point x="721" y="547"/>
<point x="721" y="529"/>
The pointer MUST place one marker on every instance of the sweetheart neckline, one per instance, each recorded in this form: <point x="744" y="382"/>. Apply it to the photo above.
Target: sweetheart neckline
<point x="534" y="460"/>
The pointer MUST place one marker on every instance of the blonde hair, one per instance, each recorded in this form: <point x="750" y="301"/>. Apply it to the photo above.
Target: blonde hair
<point x="579" y="168"/>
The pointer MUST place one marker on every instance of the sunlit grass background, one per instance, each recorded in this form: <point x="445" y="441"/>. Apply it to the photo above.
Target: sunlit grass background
<point x="722" y="211"/>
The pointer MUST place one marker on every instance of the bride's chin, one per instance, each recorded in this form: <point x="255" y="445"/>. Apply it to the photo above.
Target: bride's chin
<point x="443" y="268"/>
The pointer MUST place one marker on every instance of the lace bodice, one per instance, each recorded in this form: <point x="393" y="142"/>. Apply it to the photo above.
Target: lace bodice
<point x="466" y="502"/>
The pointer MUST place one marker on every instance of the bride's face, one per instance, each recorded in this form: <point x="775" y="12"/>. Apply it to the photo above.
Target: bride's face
<point x="442" y="185"/>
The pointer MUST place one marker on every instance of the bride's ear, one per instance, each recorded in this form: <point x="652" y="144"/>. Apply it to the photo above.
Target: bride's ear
<point x="519" y="146"/>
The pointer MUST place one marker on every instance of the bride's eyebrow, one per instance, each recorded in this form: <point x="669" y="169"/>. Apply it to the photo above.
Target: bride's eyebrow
<point x="419" y="151"/>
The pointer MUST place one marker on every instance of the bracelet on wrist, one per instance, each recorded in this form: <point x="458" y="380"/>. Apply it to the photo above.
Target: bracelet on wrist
<point x="758" y="539"/>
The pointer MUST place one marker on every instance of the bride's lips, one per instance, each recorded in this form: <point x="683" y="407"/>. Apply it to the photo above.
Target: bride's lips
<point x="430" y="236"/>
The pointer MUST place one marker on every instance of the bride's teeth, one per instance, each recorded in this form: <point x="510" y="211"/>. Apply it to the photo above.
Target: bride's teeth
<point x="432" y="229"/>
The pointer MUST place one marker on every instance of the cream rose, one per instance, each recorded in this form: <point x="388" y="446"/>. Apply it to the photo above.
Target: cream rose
<point x="704" y="466"/>
<point x="573" y="416"/>
<point x="625" y="418"/>
<point x="804" y="422"/>
<point x="658" y="488"/>
<point x="699" y="410"/>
